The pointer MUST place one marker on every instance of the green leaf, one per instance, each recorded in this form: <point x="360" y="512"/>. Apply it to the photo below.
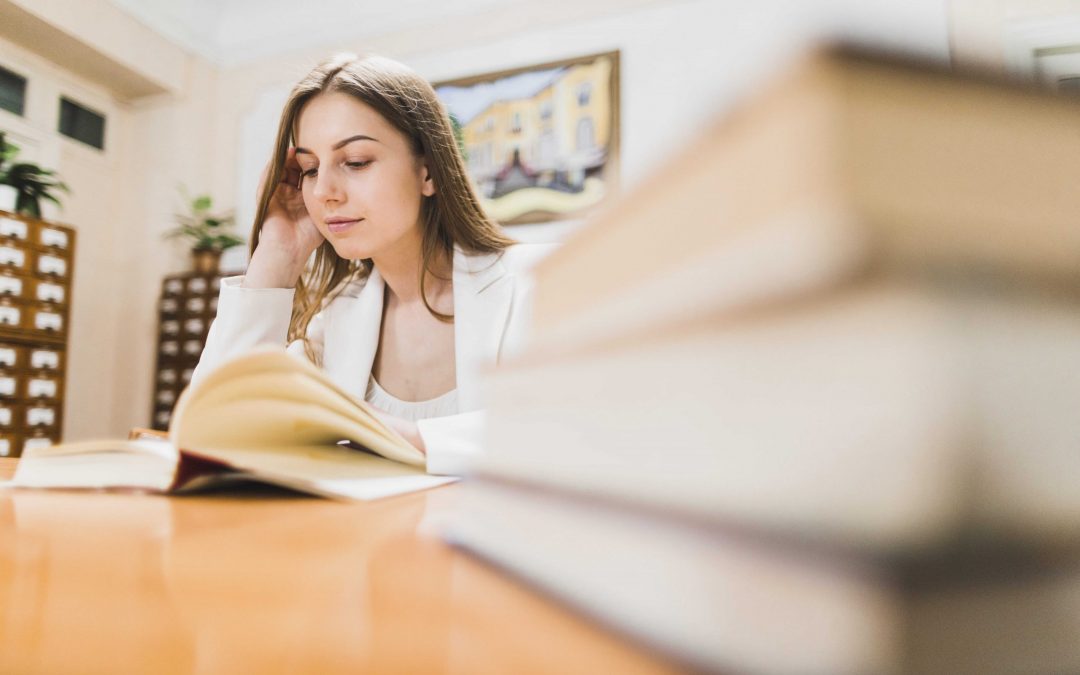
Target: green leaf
<point x="32" y="182"/>
<point x="202" y="228"/>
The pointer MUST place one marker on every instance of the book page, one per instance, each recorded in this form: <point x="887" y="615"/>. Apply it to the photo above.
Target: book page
<point x="286" y="386"/>
<point x="266" y="359"/>
<point x="273" y="425"/>
<point x="331" y="471"/>
<point x="268" y="397"/>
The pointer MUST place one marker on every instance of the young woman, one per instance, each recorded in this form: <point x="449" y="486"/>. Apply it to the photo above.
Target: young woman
<point x="412" y="288"/>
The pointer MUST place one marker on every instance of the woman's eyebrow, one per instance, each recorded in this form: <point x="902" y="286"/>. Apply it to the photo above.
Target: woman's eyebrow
<point x="342" y="143"/>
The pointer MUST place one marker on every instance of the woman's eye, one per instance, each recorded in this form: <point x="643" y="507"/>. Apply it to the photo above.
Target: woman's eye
<point x="312" y="172"/>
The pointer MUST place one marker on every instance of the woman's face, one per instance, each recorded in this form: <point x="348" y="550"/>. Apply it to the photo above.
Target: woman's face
<point x="361" y="182"/>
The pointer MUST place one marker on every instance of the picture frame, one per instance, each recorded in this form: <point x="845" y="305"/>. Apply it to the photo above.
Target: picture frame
<point x="541" y="142"/>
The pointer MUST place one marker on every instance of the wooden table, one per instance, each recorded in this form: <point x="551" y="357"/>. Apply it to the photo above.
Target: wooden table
<point x="268" y="582"/>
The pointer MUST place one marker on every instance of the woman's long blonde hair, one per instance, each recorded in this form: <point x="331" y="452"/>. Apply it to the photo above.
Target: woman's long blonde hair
<point x="452" y="215"/>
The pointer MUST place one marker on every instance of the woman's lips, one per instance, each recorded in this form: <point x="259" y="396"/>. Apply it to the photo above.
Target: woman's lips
<point x="340" y="225"/>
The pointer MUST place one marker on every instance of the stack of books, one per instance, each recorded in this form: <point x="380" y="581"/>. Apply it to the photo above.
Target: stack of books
<point x="808" y="400"/>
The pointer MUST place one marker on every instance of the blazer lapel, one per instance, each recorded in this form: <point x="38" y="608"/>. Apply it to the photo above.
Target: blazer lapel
<point x="353" y="336"/>
<point x="483" y="295"/>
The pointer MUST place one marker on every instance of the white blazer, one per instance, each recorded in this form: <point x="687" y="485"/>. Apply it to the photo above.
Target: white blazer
<point x="491" y="318"/>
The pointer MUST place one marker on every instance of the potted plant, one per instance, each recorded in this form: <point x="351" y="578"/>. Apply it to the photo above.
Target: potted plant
<point x="23" y="184"/>
<point x="208" y="233"/>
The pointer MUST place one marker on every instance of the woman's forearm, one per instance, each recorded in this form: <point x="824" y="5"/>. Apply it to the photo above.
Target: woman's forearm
<point x="273" y="268"/>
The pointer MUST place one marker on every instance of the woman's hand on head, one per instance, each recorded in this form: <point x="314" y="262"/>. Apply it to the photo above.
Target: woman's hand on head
<point x="288" y="236"/>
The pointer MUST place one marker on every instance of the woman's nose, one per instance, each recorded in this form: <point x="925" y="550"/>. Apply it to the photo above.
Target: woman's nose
<point x="327" y="185"/>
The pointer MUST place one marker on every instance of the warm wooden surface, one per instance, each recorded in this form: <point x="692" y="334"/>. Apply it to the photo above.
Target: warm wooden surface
<point x="264" y="583"/>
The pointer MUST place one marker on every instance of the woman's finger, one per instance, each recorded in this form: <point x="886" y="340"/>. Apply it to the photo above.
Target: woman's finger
<point x="291" y="174"/>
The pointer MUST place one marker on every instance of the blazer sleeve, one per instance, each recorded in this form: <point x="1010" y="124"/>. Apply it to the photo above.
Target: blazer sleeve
<point x="453" y="442"/>
<point x="247" y="317"/>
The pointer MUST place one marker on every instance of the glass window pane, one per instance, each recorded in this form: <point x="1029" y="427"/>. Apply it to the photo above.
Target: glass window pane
<point x="12" y="92"/>
<point x="81" y="123"/>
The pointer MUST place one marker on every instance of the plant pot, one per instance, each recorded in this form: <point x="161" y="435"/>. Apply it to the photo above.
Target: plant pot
<point x="9" y="196"/>
<point x="207" y="261"/>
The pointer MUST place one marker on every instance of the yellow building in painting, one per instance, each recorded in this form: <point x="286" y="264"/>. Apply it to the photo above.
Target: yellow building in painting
<point x="557" y="134"/>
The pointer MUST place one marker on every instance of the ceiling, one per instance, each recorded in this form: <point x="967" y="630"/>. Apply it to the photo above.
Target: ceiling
<point x="229" y="32"/>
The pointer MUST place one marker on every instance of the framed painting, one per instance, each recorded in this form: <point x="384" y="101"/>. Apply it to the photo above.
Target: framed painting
<point x="541" y="143"/>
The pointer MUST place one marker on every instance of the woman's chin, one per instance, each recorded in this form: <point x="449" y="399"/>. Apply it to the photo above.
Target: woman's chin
<point x="350" y="250"/>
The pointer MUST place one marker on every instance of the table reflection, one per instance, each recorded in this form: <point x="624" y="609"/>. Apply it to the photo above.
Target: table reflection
<point x="267" y="581"/>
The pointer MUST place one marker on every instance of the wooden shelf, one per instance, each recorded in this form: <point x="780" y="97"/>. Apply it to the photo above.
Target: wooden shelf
<point x="187" y="306"/>
<point x="36" y="268"/>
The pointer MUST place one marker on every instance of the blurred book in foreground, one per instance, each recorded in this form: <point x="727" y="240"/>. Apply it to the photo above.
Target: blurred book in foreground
<point x="844" y="167"/>
<point x="845" y="322"/>
<point x="723" y="597"/>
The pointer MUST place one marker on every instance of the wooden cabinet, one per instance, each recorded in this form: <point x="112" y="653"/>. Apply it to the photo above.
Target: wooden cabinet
<point x="36" y="265"/>
<point x="187" y="306"/>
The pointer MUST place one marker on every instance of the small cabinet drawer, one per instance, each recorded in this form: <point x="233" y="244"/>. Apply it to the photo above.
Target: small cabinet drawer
<point x="13" y="228"/>
<point x="11" y="356"/>
<point x="169" y="348"/>
<point x="12" y="314"/>
<point x="42" y="386"/>
<point x="169" y="307"/>
<point x="12" y="286"/>
<point x="41" y="416"/>
<point x="45" y="318"/>
<point x="197" y="285"/>
<point x="42" y="438"/>
<point x="53" y="238"/>
<point x="42" y="290"/>
<point x="172" y="287"/>
<point x="9" y="386"/>
<point x="10" y="414"/>
<point x="166" y="397"/>
<point x="46" y="359"/>
<point x="10" y="444"/>
<point x="193" y="348"/>
<point x="195" y="305"/>
<point x="50" y="265"/>
<point x="13" y="256"/>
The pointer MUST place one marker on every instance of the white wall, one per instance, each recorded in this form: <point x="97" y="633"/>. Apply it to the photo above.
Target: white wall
<point x="174" y="142"/>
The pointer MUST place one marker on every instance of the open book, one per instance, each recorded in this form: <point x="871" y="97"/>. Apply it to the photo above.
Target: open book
<point x="266" y="416"/>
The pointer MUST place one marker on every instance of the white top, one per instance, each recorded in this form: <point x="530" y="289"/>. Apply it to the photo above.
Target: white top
<point x="444" y="405"/>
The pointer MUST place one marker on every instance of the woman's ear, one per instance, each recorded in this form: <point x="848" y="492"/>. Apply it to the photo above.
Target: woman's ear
<point x="427" y="188"/>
